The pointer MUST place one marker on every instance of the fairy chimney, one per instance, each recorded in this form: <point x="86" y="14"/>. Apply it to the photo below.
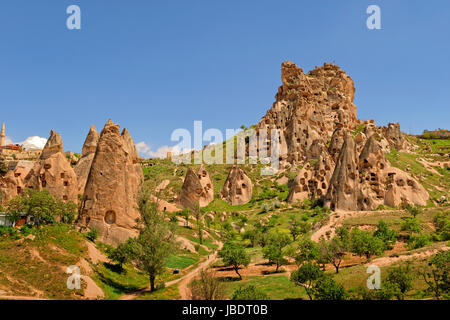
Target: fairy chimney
<point x="110" y="196"/>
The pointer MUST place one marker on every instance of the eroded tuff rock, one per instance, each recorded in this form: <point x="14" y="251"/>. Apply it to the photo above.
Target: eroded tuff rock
<point x="13" y="183"/>
<point x="197" y="189"/>
<point x="83" y="166"/>
<point x="238" y="187"/>
<point x="343" y="190"/>
<point x="110" y="197"/>
<point x="308" y="108"/>
<point x="342" y="157"/>
<point x="394" y="136"/>
<point x="367" y="181"/>
<point x="313" y="180"/>
<point x="53" y="172"/>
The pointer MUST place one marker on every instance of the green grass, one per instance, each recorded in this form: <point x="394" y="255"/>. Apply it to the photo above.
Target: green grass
<point x="169" y="293"/>
<point x="24" y="273"/>
<point x="115" y="284"/>
<point x="277" y="287"/>
<point x="181" y="262"/>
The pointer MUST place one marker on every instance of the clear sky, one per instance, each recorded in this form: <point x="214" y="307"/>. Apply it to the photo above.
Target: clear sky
<point x="154" y="66"/>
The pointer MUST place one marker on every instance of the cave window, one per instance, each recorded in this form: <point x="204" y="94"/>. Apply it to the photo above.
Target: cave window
<point x="65" y="198"/>
<point x="110" y="217"/>
<point x="44" y="183"/>
<point x="66" y="183"/>
<point x="62" y="175"/>
<point x="47" y="166"/>
<point x="19" y="190"/>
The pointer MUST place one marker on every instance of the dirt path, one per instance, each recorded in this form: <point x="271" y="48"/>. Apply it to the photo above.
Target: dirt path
<point x="183" y="282"/>
<point x="386" y="261"/>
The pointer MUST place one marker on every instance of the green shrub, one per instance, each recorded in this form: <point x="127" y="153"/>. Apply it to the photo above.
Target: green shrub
<point x="92" y="235"/>
<point x="419" y="241"/>
<point x="249" y="292"/>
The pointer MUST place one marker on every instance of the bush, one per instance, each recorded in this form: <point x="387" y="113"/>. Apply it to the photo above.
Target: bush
<point x="6" y="231"/>
<point x="411" y="225"/>
<point x="442" y="224"/>
<point x="25" y="230"/>
<point x="419" y="241"/>
<point x="249" y="292"/>
<point x="92" y="235"/>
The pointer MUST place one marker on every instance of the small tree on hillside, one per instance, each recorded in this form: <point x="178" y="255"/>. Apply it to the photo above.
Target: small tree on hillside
<point x="198" y="213"/>
<point x="307" y="250"/>
<point x="185" y="214"/>
<point x="363" y="243"/>
<point x="401" y="279"/>
<point x="437" y="275"/>
<point x="388" y="236"/>
<point x="208" y="287"/>
<point x="233" y="254"/>
<point x="336" y="252"/>
<point x="156" y="240"/>
<point x="274" y="251"/>
<point x="306" y="276"/>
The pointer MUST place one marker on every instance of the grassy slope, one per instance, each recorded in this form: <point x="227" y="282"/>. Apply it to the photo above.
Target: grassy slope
<point x="23" y="273"/>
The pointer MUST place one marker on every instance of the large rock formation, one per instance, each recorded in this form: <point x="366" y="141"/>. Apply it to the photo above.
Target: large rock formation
<point x="308" y="108"/>
<point x="197" y="189"/>
<point x="343" y="190"/>
<point x="110" y="196"/>
<point x="53" y="172"/>
<point x="238" y="187"/>
<point x="13" y="183"/>
<point x="83" y="166"/>
<point x="342" y="157"/>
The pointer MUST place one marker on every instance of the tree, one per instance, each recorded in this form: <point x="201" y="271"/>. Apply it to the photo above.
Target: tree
<point x="121" y="254"/>
<point x="401" y="279"/>
<point x="388" y="236"/>
<point x="411" y="225"/>
<point x="414" y="211"/>
<point x="249" y="292"/>
<point x="326" y="288"/>
<point x="274" y="251"/>
<point x="92" y="235"/>
<point x="363" y="243"/>
<point x="307" y="250"/>
<point x="156" y="240"/>
<point x="208" y="287"/>
<point x="437" y="275"/>
<point x="42" y="206"/>
<point x="298" y="227"/>
<point x="306" y="276"/>
<point x="336" y="252"/>
<point x="233" y="254"/>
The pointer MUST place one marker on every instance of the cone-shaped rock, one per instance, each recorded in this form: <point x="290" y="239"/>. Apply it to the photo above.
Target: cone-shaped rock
<point x="110" y="196"/>
<point x="54" y="145"/>
<point x="238" y="187"/>
<point x="342" y="192"/>
<point x="83" y="165"/>
<point x="197" y="189"/>
<point x="53" y="172"/>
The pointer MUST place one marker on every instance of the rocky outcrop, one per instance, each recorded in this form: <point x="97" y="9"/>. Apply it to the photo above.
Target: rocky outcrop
<point x="238" y="187"/>
<point x="313" y="179"/>
<point x="197" y="189"/>
<point x="394" y="136"/>
<point x="343" y="189"/>
<point x="13" y="183"/>
<point x="83" y="166"/>
<point x="402" y="189"/>
<point x="110" y="196"/>
<point x="308" y="108"/>
<point x="53" y="172"/>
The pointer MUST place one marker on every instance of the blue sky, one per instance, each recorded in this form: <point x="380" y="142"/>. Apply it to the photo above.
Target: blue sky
<point x="154" y="66"/>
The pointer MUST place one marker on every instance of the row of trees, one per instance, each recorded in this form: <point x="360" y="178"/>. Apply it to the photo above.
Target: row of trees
<point x="42" y="206"/>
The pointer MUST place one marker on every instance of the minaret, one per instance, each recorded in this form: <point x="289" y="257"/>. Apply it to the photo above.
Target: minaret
<point x="2" y="136"/>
